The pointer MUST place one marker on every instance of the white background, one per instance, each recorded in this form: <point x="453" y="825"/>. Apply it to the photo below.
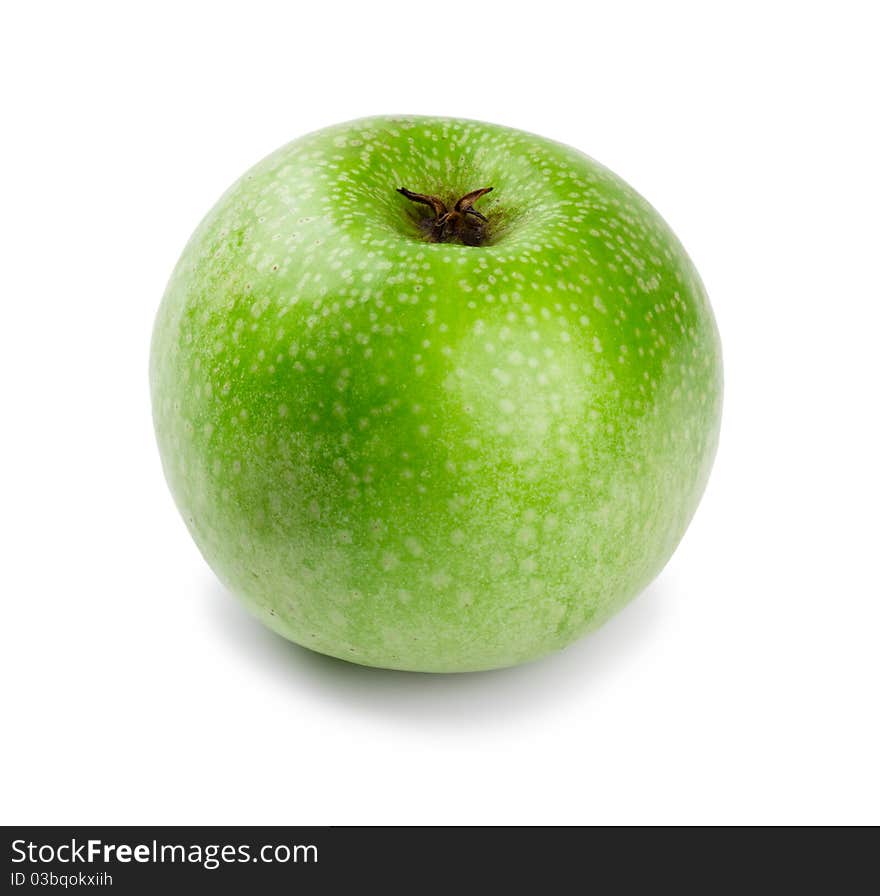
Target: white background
<point x="741" y="687"/>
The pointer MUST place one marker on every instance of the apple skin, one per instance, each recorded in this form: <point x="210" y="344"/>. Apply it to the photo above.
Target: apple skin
<point x="434" y="456"/>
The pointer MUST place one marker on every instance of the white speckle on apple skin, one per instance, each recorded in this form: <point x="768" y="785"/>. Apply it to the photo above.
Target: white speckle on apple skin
<point x="434" y="456"/>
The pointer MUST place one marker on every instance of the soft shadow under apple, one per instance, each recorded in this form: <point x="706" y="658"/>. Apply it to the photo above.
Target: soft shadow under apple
<point x="478" y="697"/>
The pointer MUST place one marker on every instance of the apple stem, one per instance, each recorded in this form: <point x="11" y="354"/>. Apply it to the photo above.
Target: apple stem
<point x="462" y="222"/>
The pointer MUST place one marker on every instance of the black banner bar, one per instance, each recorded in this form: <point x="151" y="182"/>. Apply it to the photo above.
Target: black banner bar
<point x="338" y="860"/>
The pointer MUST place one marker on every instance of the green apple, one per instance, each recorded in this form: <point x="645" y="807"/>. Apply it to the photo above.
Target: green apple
<point x="420" y="425"/>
